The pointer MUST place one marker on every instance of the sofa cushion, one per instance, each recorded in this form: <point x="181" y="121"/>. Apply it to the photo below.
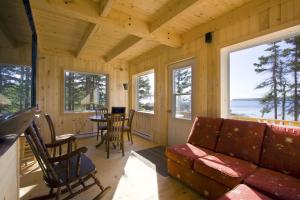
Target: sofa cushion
<point x="284" y="142"/>
<point x="275" y="184"/>
<point x="205" y="132"/>
<point x="241" y="139"/>
<point x="243" y="191"/>
<point x="227" y="170"/>
<point x="185" y="154"/>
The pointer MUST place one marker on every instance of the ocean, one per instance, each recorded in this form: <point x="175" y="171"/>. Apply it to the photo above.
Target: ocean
<point x="251" y="108"/>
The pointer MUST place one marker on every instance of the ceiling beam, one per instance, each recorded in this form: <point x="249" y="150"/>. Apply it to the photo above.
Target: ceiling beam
<point x="170" y="11"/>
<point x="123" y="46"/>
<point x="7" y="34"/>
<point x="87" y="10"/>
<point x="105" y="6"/>
<point x="91" y="30"/>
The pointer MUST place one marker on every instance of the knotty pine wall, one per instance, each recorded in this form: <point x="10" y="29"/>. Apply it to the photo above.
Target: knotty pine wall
<point x="257" y="18"/>
<point x="50" y="89"/>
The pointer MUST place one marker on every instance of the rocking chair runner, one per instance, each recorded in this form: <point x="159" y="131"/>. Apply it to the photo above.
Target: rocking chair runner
<point x="64" y="172"/>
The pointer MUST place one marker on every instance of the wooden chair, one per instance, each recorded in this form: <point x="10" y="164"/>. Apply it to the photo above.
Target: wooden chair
<point x="55" y="138"/>
<point x="65" y="172"/>
<point x="115" y="132"/>
<point x="101" y="126"/>
<point x="127" y="128"/>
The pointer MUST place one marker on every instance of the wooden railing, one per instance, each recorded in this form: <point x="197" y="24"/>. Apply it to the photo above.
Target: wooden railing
<point x="269" y="121"/>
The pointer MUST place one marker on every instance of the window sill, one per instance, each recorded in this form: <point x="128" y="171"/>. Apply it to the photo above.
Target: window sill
<point x="144" y="112"/>
<point x="78" y="112"/>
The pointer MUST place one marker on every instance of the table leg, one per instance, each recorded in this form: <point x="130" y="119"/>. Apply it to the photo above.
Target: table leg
<point x="102" y="139"/>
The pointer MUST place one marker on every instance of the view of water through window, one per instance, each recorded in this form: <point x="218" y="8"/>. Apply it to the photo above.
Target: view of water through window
<point x="265" y="82"/>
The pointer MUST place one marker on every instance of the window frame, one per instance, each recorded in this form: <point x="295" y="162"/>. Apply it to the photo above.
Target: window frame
<point x="83" y="72"/>
<point x="135" y="89"/>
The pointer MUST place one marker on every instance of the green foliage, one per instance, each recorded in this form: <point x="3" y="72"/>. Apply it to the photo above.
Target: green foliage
<point x="15" y="88"/>
<point x="85" y="91"/>
<point x="282" y="66"/>
<point x="144" y="93"/>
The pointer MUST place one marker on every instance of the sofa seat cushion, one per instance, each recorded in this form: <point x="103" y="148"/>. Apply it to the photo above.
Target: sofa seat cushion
<point x="275" y="184"/>
<point x="284" y="142"/>
<point x="185" y="154"/>
<point x="243" y="191"/>
<point x="227" y="170"/>
<point x="241" y="139"/>
<point x="205" y="132"/>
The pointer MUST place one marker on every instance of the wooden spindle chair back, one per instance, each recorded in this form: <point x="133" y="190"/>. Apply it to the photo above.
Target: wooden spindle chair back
<point x="115" y="132"/>
<point x="40" y="151"/>
<point x="51" y="127"/>
<point x="101" y="126"/>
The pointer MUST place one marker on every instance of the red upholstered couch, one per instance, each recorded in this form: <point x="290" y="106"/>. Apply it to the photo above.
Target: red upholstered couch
<point x="220" y="154"/>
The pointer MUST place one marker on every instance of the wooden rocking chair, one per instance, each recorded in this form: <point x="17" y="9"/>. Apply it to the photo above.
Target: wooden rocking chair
<point x="65" y="172"/>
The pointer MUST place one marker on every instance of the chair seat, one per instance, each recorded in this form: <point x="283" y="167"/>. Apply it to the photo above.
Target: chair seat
<point x="86" y="167"/>
<point x="243" y="191"/>
<point x="275" y="184"/>
<point x="126" y="128"/>
<point x="224" y="169"/>
<point x="185" y="154"/>
<point x="102" y="127"/>
<point x="63" y="137"/>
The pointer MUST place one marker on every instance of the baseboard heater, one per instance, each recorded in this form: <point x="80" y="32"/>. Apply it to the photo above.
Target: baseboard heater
<point x="143" y="135"/>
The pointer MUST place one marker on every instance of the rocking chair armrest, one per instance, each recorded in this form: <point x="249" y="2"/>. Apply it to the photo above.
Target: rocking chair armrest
<point x="60" y="142"/>
<point x="69" y="155"/>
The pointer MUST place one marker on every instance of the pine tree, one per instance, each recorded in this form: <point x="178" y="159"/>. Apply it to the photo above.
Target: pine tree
<point x="270" y="64"/>
<point x="144" y="92"/>
<point x="292" y="55"/>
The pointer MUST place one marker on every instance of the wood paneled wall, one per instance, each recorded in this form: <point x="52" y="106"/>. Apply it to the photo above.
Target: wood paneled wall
<point x="50" y="91"/>
<point x="259" y="17"/>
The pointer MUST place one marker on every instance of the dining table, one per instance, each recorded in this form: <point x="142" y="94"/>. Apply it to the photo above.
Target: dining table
<point x="102" y="118"/>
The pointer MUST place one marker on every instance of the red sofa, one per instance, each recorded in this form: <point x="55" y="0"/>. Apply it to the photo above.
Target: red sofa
<point x="220" y="154"/>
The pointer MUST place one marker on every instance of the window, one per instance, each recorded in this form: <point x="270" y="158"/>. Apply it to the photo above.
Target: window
<point x="264" y="80"/>
<point x="145" y="92"/>
<point x="85" y="92"/>
<point x="15" y="88"/>
<point x="182" y="92"/>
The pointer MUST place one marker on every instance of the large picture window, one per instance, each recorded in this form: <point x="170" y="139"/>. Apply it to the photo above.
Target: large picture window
<point x="15" y="88"/>
<point x="145" y="92"/>
<point x="85" y="92"/>
<point x="265" y="82"/>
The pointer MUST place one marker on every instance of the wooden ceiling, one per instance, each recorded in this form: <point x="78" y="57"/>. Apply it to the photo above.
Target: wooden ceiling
<point x="111" y="29"/>
<point x="14" y="26"/>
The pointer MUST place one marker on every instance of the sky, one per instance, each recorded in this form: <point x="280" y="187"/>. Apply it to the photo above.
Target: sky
<point x="243" y="78"/>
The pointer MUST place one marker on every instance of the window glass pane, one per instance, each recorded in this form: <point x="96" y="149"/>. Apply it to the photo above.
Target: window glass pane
<point x="15" y="88"/>
<point x="85" y="92"/>
<point x="183" y="106"/>
<point x="264" y="81"/>
<point x="183" y="80"/>
<point x="145" y="92"/>
<point x="182" y="90"/>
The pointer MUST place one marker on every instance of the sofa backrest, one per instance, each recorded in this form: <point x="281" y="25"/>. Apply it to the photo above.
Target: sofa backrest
<point x="281" y="149"/>
<point x="241" y="139"/>
<point x="205" y="132"/>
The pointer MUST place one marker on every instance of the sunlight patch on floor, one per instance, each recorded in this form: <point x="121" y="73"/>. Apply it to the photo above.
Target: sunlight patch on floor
<point x="24" y="190"/>
<point x="139" y="180"/>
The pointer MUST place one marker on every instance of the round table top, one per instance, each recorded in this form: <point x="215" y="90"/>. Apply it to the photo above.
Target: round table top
<point x="98" y="118"/>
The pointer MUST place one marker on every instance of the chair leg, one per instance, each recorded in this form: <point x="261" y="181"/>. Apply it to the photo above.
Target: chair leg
<point x="103" y="190"/>
<point x="57" y="194"/>
<point x="107" y="149"/>
<point x="130" y="133"/>
<point x="97" y="131"/>
<point x="122" y="144"/>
